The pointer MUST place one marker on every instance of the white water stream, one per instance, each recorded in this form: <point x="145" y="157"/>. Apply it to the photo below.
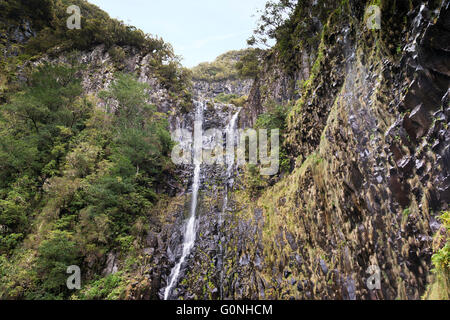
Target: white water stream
<point x="229" y="161"/>
<point x="189" y="234"/>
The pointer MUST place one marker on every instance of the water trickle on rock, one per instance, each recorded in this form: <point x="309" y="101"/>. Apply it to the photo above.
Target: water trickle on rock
<point x="189" y="235"/>
<point x="230" y="161"/>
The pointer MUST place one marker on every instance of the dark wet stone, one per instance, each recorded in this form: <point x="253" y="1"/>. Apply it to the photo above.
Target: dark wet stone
<point x="351" y="290"/>
<point x="444" y="194"/>
<point x="287" y="273"/>
<point x="399" y="190"/>
<point x="291" y="240"/>
<point x="151" y="240"/>
<point x="299" y="260"/>
<point x="419" y="165"/>
<point x="243" y="261"/>
<point x="323" y="266"/>
<point x="436" y="145"/>
<point x="406" y="165"/>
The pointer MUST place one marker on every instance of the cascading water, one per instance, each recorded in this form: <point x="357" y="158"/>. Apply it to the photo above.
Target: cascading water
<point x="230" y="131"/>
<point x="189" y="234"/>
<point x="229" y="161"/>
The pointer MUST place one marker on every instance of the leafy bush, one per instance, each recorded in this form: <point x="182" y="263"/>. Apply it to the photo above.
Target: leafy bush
<point x="273" y="18"/>
<point x="110" y="287"/>
<point x="40" y="11"/>
<point x="294" y="25"/>
<point x="254" y="183"/>
<point x="42" y="116"/>
<point x="55" y="254"/>
<point x="117" y="54"/>
<point x="276" y="118"/>
<point x="139" y="157"/>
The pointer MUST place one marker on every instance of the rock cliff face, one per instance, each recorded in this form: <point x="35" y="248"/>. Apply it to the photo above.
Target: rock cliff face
<point x="275" y="85"/>
<point x="101" y="68"/>
<point x="214" y="88"/>
<point x="370" y="141"/>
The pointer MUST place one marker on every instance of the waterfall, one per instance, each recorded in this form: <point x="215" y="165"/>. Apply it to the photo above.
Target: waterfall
<point x="189" y="234"/>
<point x="230" y="131"/>
<point x="229" y="162"/>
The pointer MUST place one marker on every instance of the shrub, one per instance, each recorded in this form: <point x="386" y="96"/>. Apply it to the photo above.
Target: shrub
<point x="117" y="54"/>
<point x="110" y="287"/>
<point x="55" y="254"/>
<point x="440" y="286"/>
<point x="276" y="118"/>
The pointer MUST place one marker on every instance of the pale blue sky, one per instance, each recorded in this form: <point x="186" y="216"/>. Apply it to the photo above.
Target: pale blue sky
<point x="199" y="30"/>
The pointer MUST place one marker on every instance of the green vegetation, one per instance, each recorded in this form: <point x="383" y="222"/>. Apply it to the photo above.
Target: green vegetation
<point x="439" y="289"/>
<point x="272" y="21"/>
<point x="55" y="254"/>
<point x="109" y="288"/>
<point x="406" y="212"/>
<point x="231" y="99"/>
<point x="49" y="21"/>
<point x="253" y="182"/>
<point x="276" y="118"/>
<point x="294" y="25"/>
<point x="76" y="181"/>
<point x="250" y="63"/>
<point x="229" y="66"/>
<point x="35" y="128"/>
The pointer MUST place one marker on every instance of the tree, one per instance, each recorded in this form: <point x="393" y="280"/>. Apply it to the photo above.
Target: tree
<point x="48" y="99"/>
<point x="272" y="19"/>
<point x="41" y="118"/>
<point x="249" y="64"/>
<point x="55" y="254"/>
<point x="130" y="96"/>
<point x="142" y="133"/>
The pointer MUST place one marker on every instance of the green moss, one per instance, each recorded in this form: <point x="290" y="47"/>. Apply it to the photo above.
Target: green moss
<point x="406" y="212"/>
